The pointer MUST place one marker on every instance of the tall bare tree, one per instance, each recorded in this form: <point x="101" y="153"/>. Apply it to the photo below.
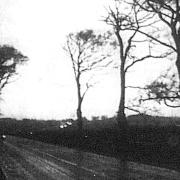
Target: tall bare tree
<point x="85" y="51"/>
<point x="127" y="21"/>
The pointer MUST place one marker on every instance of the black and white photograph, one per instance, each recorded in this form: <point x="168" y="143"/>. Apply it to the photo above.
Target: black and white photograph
<point x="90" y="90"/>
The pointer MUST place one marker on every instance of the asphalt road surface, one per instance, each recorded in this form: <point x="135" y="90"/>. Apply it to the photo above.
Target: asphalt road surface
<point x="23" y="159"/>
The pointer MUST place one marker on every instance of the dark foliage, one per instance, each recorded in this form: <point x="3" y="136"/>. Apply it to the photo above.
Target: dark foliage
<point x="146" y="143"/>
<point x="10" y="58"/>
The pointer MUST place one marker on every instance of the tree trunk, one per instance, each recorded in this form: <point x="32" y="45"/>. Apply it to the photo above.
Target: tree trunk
<point x="79" y="114"/>
<point x="178" y="66"/>
<point x="121" y="117"/>
<point x="79" y="120"/>
<point x="176" y="37"/>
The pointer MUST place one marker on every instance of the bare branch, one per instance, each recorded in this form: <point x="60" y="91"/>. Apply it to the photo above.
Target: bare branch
<point x="160" y="14"/>
<point x="88" y="86"/>
<point x="132" y="109"/>
<point x="172" y="106"/>
<point x="157" y="40"/>
<point x="72" y="58"/>
<point x="160" y="98"/>
<point x="96" y="64"/>
<point x="129" y="44"/>
<point x="137" y="87"/>
<point x="3" y="84"/>
<point x="144" y="58"/>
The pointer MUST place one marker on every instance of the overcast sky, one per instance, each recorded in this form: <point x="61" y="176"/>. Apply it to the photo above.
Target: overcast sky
<point x="45" y="88"/>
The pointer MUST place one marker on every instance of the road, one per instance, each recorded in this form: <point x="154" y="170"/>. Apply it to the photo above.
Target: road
<point x="23" y="159"/>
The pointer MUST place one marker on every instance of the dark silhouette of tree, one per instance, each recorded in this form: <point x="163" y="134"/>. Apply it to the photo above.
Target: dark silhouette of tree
<point x="85" y="51"/>
<point x="127" y="21"/>
<point x="10" y="58"/>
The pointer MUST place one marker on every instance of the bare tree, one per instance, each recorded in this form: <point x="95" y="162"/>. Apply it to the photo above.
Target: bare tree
<point x="85" y="51"/>
<point x="10" y="58"/>
<point x="127" y="21"/>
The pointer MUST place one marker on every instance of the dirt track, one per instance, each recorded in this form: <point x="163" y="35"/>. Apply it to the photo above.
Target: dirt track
<point x="23" y="159"/>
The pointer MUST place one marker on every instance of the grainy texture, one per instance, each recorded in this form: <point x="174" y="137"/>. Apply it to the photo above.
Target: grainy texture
<point x="23" y="159"/>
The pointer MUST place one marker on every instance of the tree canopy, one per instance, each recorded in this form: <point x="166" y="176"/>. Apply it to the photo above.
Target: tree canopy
<point x="10" y="58"/>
